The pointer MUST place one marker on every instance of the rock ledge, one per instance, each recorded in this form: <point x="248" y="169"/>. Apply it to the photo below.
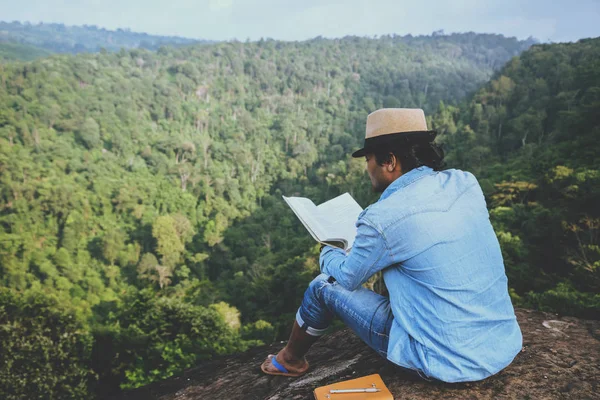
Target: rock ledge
<point x="560" y="360"/>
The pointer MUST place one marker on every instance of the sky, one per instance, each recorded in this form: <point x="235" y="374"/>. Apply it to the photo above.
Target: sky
<point x="545" y="20"/>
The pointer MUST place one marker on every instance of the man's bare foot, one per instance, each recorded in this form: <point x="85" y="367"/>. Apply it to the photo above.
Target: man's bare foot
<point x="294" y="367"/>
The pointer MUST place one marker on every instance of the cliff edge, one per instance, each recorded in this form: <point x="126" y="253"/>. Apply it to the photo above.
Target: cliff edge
<point x="560" y="360"/>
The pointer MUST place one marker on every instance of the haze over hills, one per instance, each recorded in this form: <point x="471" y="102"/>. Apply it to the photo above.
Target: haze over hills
<point x="141" y="223"/>
<point x="21" y="52"/>
<point x="39" y="40"/>
<point x="59" y="38"/>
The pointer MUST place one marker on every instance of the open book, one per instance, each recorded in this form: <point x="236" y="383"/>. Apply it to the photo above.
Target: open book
<point x="331" y="223"/>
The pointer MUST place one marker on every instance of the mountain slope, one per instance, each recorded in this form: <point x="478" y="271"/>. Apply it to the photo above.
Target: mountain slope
<point x="139" y="184"/>
<point x="59" y="38"/>
<point x="532" y="137"/>
<point x="20" y="52"/>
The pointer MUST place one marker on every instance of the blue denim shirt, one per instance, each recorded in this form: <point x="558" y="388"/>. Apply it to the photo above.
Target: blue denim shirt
<point x="430" y="234"/>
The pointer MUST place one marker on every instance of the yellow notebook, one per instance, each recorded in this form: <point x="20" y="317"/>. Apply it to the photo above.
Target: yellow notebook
<point x="366" y="382"/>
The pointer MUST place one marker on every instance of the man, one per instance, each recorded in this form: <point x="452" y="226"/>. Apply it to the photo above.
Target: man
<point x="448" y="316"/>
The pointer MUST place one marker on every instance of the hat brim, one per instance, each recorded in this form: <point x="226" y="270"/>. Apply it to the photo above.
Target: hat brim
<point x="360" y="153"/>
<point x="379" y="142"/>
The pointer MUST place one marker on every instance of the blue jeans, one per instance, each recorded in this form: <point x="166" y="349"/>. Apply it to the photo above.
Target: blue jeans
<point x="367" y="313"/>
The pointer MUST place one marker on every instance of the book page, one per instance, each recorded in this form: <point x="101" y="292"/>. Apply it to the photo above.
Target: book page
<point x="339" y="216"/>
<point x="309" y="215"/>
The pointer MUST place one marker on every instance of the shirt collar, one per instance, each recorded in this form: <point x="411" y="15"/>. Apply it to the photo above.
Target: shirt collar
<point x="405" y="180"/>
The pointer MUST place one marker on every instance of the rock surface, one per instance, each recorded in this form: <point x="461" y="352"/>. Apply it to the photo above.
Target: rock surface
<point x="560" y="360"/>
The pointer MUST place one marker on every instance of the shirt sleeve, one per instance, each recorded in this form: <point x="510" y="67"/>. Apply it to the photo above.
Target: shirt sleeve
<point x="368" y="256"/>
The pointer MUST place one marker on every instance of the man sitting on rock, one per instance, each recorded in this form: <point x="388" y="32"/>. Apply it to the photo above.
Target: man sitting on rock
<point x="448" y="316"/>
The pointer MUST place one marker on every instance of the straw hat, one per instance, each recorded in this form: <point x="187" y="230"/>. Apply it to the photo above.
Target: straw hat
<point x="389" y="126"/>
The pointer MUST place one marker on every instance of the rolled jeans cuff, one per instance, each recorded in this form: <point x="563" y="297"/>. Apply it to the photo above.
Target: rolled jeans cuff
<point x="310" y="330"/>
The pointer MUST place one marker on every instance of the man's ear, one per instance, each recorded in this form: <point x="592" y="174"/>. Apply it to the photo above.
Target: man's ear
<point x="392" y="162"/>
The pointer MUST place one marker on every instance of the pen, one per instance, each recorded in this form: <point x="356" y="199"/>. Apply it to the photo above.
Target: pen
<point x="369" y="390"/>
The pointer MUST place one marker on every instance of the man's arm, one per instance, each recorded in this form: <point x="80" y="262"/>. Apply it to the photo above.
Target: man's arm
<point x="368" y="256"/>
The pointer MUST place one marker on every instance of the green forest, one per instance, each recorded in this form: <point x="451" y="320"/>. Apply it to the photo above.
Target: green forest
<point x="60" y="38"/>
<point x="142" y="228"/>
<point x="21" y="52"/>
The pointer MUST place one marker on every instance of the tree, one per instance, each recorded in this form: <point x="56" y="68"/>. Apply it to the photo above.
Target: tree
<point x="89" y="133"/>
<point x="150" y="269"/>
<point x="45" y="348"/>
<point x="113" y="242"/>
<point x="155" y="337"/>
<point x="168" y="240"/>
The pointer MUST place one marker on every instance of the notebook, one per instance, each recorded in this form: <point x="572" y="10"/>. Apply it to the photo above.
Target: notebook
<point x="366" y="382"/>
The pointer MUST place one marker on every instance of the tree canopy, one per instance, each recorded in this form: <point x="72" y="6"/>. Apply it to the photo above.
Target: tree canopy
<point x="141" y="191"/>
<point x="40" y="38"/>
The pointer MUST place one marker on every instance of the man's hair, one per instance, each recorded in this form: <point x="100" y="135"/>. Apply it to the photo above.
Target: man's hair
<point x="412" y="155"/>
